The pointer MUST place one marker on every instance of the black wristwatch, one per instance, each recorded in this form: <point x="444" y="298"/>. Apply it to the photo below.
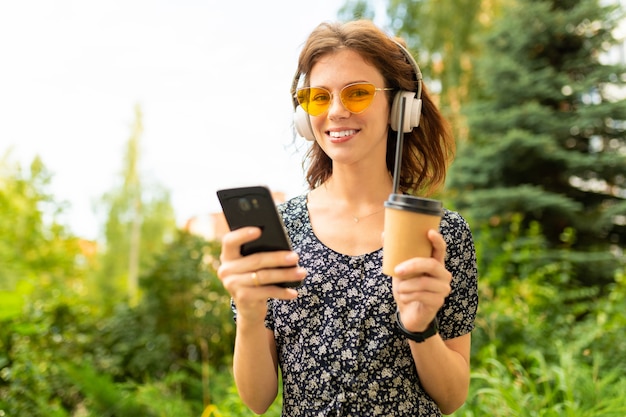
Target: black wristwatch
<point x="419" y="337"/>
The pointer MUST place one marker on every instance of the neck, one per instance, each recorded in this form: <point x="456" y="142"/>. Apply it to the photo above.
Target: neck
<point x="359" y="188"/>
<point x="355" y="198"/>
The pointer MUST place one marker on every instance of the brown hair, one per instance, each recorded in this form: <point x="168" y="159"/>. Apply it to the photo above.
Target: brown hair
<point x="427" y="150"/>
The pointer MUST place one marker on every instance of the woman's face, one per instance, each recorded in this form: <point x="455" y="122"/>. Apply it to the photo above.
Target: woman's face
<point x="345" y="137"/>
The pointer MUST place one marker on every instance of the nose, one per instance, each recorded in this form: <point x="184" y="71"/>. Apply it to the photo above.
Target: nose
<point x="336" y="108"/>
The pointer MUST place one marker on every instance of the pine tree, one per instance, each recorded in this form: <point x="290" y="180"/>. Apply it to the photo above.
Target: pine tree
<point x="548" y="135"/>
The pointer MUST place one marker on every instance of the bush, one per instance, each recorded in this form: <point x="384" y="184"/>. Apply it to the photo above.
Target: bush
<point x="568" y="388"/>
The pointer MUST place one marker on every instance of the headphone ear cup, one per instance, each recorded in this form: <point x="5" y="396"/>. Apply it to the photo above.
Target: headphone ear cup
<point x="302" y="124"/>
<point x="412" y="111"/>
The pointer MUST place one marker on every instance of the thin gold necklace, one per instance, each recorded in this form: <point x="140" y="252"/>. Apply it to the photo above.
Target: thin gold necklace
<point x="358" y="219"/>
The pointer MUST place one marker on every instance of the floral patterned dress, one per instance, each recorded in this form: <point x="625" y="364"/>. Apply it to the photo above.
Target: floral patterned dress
<point x="338" y="348"/>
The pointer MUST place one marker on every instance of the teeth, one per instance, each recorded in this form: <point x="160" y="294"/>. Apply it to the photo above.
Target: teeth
<point x="342" y="134"/>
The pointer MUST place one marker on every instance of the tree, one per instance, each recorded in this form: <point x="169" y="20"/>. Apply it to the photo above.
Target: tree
<point x="36" y="250"/>
<point x="445" y="36"/>
<point x="41" y="273"/>
<point x="190" y="305"/>
<point x="547" y="139"/>
<point x="140" y="221"/>
<point x="356" y="9"/>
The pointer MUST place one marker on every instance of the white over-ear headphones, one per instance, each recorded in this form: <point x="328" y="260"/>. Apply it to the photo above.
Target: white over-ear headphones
<point x="412" y="110"/>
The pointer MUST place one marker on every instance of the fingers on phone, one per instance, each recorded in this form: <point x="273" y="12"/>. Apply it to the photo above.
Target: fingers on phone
<point x="286" y="277"/>
<point x="232" y="241"/>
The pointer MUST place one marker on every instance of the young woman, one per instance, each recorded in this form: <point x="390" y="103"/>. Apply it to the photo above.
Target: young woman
<point x="352" y="341"/>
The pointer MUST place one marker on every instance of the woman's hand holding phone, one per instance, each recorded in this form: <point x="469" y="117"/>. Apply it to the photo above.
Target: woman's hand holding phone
<point x="257" y="261"/>
<point x="252" y="279"/>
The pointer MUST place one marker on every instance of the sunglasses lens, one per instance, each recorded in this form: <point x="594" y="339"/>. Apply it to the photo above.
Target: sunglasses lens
<point x="358" y="97"/>
<point x="314" y="100"/>
<point x="355" y="97"/>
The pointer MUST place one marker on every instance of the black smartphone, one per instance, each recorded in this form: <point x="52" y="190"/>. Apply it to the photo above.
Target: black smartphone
<point x="254" y="206"/>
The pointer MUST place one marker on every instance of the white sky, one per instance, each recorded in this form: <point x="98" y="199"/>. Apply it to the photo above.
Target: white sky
<point x="212" y="79"/>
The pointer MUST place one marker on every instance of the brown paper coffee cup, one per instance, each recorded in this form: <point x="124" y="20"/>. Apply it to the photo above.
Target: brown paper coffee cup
<point x="407" y="221"/>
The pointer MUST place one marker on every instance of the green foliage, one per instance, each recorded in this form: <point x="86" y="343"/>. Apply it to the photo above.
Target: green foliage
<point x="446" y="35"/>
<point x="128" y="346"/>
<point x="528" y="300"/>
<point x="356" y="9"/>
<point x="548" y="338"/>
<point x="547" y="138"/>
<point x="60" y="355"/>
<point x="545" y="388"/>
<point x="601" y="332"/>
<point x="33" y="348"/>
<point x="187" y="300"/>
<point x="166" y="398"/>
<point x="102" y="397"/>
<point x="443" y="31"/>
<point x="12" y="302"/>
<point x="51" y="331"/>
<point x="540" y="347"/>
<point x="35" y="249"/>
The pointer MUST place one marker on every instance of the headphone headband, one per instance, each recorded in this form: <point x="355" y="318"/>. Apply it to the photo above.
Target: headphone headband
<point x="416" y="68"/>
<point x="294" y="87"/>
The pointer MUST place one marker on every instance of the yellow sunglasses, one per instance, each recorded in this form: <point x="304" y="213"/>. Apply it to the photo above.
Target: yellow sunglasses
<point x="355" y="98"/>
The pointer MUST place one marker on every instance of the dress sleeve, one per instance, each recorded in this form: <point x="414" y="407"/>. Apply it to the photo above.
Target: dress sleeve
<point x="457" y="315"/>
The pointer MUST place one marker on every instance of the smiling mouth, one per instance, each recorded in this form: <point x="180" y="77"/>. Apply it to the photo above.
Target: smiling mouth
<point x="342" y="134"/>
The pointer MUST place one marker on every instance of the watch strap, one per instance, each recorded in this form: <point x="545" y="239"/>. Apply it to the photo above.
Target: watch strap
<point x="419" y="337"/>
